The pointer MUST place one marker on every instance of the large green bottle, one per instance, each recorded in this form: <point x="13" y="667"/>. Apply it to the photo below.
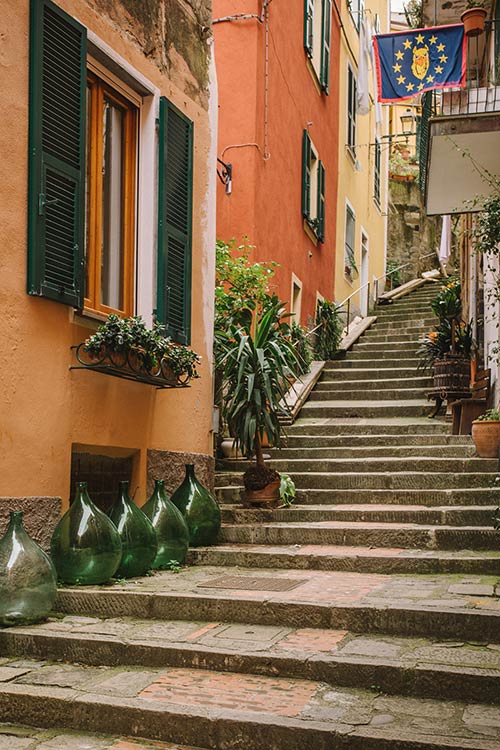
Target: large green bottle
<point x="136" y="533"/>
<point x="85" y="547"/>
<point x="171" y="529"/>
<point x="199" y="508"/>
<point x="27" y="577"/>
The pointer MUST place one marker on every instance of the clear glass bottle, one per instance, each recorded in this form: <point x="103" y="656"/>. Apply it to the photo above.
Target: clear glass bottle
<point x="27" y="577"/>
<point x="199" y="508"/>
<point x="137" y="535"/>
<point x="85" y="547"/>
<point x="171" y="529"/>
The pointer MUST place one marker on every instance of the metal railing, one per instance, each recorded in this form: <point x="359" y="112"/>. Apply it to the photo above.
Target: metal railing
<point x="376" y="285"/>
<point x="482" y="90"/>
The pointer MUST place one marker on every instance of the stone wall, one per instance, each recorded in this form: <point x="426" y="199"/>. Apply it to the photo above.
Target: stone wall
<point x="410" y="232"/>
<point x="40" y="516"/>
<point x="170" y="466"/>
<point x="172" y="33"/>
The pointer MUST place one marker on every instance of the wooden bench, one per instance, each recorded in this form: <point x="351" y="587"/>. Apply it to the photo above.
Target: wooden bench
<point x="465" y="410"/>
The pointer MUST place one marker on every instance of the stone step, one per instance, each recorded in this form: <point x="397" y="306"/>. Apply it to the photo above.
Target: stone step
<point x="419" y="317"/>
<point x="349" y="559"/>
<point x="436" y="606"/>
<point x="377" y="375"/>
<point x="383" y="346"/>
<point x="405" y="440"/>
<point x="368" y="481"/>
<point x="379" y="363"/>
<point x="454" y="450"/>
<point x="382" y="513"/>
<point x="364" y="534"/>
<point x="405" y="666"/>
<point x="22" y="737"/>
<point x="359" y="393"/>
<point x="374" y="426"/>
<point x="401" y="325"/>
<point x="367" y="354"/>
<point x="372" y="335"/>
<point x="257" y="712"/>
<point x="392" y="464"/>
<point x="366" y="409"/>
<point x="233" y="493"/>
<point x="369" y="384"/>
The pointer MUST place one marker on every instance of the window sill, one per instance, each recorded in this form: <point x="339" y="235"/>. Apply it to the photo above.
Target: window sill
<point x="351" y="153"/>
<point x="310" y="233"/>
<point x="314" y="75"/>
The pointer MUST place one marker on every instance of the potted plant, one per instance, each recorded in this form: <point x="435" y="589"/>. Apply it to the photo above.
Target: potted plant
<point x="486" y="434"/>
<point x="473" y="17"/>
<point x="127" y="344"/>
<point x="255" y="359"/>
<point x="448" y="349"/>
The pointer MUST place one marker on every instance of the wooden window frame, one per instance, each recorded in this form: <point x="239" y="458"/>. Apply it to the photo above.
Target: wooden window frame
<point x="98" y="90"/>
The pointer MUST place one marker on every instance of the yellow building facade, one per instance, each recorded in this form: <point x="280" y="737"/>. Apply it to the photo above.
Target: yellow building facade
<point x="363" y="160"/>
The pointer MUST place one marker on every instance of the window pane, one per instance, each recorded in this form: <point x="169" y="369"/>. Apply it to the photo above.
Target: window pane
<point x="112" y="205"/>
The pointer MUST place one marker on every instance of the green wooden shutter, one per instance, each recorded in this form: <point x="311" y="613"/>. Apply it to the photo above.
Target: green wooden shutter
<point x="309" y="26"/>
<point x="175" y="220"/>
<point x="321" y="202"/>
<point x="306" y="175"/>
<point x="326" y="33"/>
<point x="56" y="191"/>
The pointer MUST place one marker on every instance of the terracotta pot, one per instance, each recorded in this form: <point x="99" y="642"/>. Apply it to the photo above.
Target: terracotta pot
<point x="267" y="495"/>
<point x="486" y="436"/>
<point x="473" y="20"/>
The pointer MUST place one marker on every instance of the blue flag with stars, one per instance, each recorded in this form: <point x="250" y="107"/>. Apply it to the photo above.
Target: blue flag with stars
<point x="410" y="62"/>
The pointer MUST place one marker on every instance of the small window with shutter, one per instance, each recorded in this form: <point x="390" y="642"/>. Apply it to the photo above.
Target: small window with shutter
<point x="317" y="39"/>
<point x="313" y="188"/>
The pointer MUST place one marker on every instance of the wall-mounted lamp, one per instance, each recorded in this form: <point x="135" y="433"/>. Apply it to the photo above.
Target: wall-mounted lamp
<point x="408" y="122"/>
<point x="225" y="175"/>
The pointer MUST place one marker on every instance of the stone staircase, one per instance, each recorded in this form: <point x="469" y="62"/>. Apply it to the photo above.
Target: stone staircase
<point x="364" y="617"/>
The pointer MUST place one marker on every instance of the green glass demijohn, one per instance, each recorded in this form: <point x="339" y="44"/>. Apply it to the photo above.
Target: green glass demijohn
<point x="171" y="529"/>
<point x="136" y="531"/>
<point x="27" y="577"/>
<point x="199" y="508"/>
<point x="85" y="547"/>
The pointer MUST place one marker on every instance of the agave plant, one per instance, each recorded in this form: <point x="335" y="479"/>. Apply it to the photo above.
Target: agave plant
<point x="256" y="359"/>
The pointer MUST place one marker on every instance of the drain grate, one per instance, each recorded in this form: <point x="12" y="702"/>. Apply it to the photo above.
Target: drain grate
<point x="249" y="583"/>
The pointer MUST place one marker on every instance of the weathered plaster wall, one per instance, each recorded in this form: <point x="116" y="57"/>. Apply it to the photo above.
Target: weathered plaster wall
<point x="44" y="407"/>
<point x="411" y="233"/>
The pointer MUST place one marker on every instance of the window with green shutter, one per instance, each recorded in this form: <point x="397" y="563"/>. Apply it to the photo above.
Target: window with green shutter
<point x="321" y="203"/>
<point x="326" y="33"/>
<point x="306" y="174"/>
<point x="175" y="219"/>
<point x="313" y="188"/>
<point x="56" y="155"/>
<point x="317" y="38"/>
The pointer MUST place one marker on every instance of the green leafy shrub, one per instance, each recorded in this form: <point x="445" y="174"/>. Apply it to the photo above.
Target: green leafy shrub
<point x="303" y="348"/>
<point x="491" y="415"/>
<point x="329" y="330"/>
<point x="448" y="304"/>
<point x="435" y="344"/>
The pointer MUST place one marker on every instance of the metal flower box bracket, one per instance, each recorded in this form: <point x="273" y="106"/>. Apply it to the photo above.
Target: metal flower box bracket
<point x="129" y="365"/>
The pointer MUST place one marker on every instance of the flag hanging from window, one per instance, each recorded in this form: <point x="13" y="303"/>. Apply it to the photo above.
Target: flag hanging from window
<point x="410" y="62"/>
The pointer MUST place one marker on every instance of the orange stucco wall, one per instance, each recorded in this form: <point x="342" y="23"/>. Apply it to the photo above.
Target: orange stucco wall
<point x="45" y="407"/>
<point x="265" y="203"/>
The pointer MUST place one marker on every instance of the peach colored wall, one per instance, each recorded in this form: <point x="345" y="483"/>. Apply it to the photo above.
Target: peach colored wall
<point x="45" y="407"/>
<point x="266" y="199"/>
